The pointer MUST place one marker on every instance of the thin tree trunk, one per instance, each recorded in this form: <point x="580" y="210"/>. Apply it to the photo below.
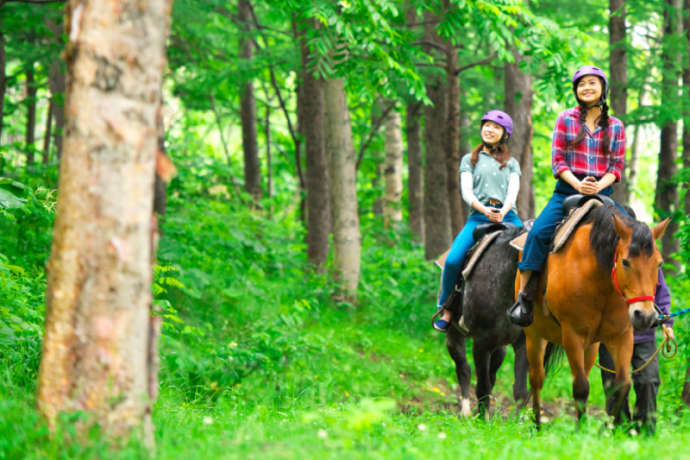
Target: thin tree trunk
<point x="46" y="137"/>
<point x="414" y="151"/>
<point x="252" y="168"/>
<point x="56" y="83"/>
<point x="618" y="63"/>
<point x="97" y="333"/>
<point x="437" y="225"/>
<point x="464" y="143"/>
<point x="31" y="91"/>
<point x="392" y="210"/>
<point x="341" y="161"/>
<point x="518" y="104"/>
<point x="686" y="103"/>
<point x="632" y="165"/>
<point x="666" y="200"/>
<point x="685" y="396"/>
<point x="3" y="80"/>
<point x="223" y="141"/>
<point x="452" y="139"/>
<point x="311" y="110"/>
<point x="415" y="169"/>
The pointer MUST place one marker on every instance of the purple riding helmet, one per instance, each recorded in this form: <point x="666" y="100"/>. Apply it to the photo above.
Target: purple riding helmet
<point x="500" y="118"/>
<point x="591" y="70"/>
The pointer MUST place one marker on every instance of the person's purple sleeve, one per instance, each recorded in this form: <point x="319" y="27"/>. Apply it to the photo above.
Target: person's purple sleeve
<point x="663" y="298"/>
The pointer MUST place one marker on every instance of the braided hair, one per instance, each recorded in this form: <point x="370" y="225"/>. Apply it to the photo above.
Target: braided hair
<point x="603" y="123"/>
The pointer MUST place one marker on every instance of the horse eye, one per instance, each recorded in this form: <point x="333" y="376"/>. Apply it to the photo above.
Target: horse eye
<point x="626" y="263"/>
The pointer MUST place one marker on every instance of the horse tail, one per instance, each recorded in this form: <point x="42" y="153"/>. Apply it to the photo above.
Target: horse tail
<point x="553" y="356"/>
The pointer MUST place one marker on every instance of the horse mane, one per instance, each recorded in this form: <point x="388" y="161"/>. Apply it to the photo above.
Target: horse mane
<point x="604" y="239"/>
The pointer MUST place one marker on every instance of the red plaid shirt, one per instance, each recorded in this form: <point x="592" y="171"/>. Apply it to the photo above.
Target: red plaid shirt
<point x="586" y="158"/>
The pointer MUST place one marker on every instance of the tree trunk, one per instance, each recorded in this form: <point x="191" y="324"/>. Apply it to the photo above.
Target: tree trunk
<point x="686" y="111"/>
<point x="464" y="144"/>
<point x="452" y="140"/>
<point x="31" y="90"/>
<point x="98" y="325"/>
<point x="414" y="169"/>
<point x="518" y="104"/>
<point x="252" y="168"/>
<point x="392" y="210"/>
<point x="311" y="110"/>
<point x="632" y="165"/>
<point x="56" y="83"/>
<point x="3" y="80"/>
<point x="618" y="78"/>
<point x="666" y="199"/>
<point x="437" y="225"/>
<point x="341" y="162"/>
<point x="46" y="137"/>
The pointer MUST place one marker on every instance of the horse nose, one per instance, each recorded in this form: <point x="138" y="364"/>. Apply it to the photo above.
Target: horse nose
<point x="641" y="319"/>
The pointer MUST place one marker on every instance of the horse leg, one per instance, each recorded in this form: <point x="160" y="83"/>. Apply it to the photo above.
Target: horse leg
<point x="455" y="343"/>
<point x="497" y="357"/>
<point x="574" y="349"/>
<point x="520" y="369"/>
<point x="535" y="347"/>
<point x="482" y="365"/>
<point x="621" y="350"/>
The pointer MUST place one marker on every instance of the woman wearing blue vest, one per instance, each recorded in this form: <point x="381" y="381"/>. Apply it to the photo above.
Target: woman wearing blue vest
<point x="587" y="155"/>
<point x="489" y="182"/>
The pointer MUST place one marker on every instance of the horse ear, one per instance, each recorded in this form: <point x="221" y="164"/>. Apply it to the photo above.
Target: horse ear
<point x="624" y="232"/>
<point x="660" y="228"/>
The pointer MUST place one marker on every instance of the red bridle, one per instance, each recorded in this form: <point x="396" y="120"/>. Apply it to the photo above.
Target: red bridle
<point x="618" y="288"/>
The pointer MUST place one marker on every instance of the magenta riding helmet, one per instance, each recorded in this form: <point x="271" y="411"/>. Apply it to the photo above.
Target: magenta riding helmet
<point x="591" y="70"/>
<point x="500" y="118"/>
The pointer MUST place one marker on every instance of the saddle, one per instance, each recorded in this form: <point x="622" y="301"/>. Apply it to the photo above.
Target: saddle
<point x="484" y="235"/>
<point x="576" y="208"/>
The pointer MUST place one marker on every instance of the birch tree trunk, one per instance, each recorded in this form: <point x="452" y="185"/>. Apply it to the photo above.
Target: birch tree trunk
<point x="252" y="168"/>
<point x="341" y="162"/>
<point x="618" y="63"/>
<point x="392" y="210"/>
<point x="666" y="199"/>
<point x="518" y="104"/>
<point x="437" y="225"/>
<point x="311" y="110"/>
<point x="98" y="327"/>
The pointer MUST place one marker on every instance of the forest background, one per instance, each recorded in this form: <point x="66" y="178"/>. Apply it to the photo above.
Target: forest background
<point x="317" y="147"/>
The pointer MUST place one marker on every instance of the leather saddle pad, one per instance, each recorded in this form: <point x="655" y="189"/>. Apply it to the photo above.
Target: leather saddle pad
<point x="475" y="253"/>
<point x="564" y="230"/>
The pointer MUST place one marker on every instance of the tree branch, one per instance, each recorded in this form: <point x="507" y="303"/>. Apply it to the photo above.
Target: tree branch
<point x="484" y="61"/>
<point x="377" y="124"/>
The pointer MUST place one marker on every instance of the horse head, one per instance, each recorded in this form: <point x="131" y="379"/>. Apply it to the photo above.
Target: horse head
<point x="635" y="269"/>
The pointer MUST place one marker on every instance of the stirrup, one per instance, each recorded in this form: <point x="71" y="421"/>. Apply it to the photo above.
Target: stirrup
<point x="520" y="313"/>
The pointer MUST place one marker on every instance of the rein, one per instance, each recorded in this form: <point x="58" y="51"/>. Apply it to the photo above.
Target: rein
<point x="618" y="288"/>
<point x="668" y="349"/>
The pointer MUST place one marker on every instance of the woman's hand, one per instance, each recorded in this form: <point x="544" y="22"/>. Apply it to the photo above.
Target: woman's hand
<point x="494" y="215"/>
<point x="588" y="186"/>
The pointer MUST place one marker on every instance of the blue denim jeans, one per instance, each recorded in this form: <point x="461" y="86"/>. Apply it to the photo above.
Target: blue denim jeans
<point x="539" y="238"/>
<point x="463" y="242"/>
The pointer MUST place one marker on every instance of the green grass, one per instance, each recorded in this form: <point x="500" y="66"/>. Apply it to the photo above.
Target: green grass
<point x="258" y="362"/>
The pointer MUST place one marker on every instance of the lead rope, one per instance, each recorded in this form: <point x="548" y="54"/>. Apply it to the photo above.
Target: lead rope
<point x="668" y="349"/>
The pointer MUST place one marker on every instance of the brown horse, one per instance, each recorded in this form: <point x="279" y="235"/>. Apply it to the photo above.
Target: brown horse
<point x="593" y="290"/>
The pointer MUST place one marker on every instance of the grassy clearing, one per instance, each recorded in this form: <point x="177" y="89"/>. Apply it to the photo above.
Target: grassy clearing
<point x="258" y="362"/>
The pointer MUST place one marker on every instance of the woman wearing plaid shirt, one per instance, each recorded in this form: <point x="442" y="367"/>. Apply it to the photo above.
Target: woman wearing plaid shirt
<point x="588" y="152"/>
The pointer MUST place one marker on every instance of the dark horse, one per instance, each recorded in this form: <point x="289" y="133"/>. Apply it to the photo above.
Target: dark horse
<point x="483" y="301"/>
<point x="597" y="288"/>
